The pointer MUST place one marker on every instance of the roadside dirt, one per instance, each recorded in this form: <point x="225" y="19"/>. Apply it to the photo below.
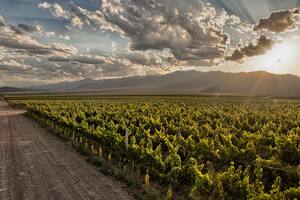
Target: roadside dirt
<point x="37" y="165"/>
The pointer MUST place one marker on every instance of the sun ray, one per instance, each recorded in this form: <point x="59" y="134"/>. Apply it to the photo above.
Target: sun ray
<point x="246" y="11"/>
<point x="281" y="58"/>
<point x="257" y="84"/>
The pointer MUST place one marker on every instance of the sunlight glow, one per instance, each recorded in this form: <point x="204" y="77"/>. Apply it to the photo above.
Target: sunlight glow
<point x="280" y="58"/>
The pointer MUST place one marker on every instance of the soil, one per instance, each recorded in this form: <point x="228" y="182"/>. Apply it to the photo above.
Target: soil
<point x="37" y="165"/>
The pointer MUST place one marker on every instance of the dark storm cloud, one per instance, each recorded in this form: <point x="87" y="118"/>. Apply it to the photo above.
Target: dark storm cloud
<point x="279" y="21"/>
<point x="259" y="47"/>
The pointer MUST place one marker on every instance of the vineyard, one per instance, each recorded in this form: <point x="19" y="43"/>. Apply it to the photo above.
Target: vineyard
<point x="196" y="148"/>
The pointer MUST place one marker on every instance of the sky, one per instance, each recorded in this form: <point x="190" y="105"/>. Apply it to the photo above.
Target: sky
<point x="49" y="41"/>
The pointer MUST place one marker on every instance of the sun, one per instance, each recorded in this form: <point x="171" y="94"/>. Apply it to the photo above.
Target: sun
<point x="278" y="60"/>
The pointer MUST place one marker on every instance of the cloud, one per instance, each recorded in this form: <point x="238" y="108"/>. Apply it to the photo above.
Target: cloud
<point x="76" y="21"/>
<point x="52" y="34"/>
<point x="118" y="65"/>
<point x="95" y="67"/>
<point x="20" y="29"/>
<point x="28" y="68"/>
<point x="20" y="39"/>
<point x="162" y="36"/>
<point x="279" y="21"/>
<point x="25" y="44"/>
<point x="28" y="28"/>
<point x="191" y="31"/>
<point x="2" y="21"/>
<point x="44" y="5"/>
<point x="148" y="58"/>
<point x="76" y="15"/>
<point x="25" y="58"/>
<point x="84" y="59"/>
<point x="259" y="47"/>
<point x="64" y="37"/>
<point x="12" y="65"/>
<point x="55" y="9"/>
<point x="157" y="25"/>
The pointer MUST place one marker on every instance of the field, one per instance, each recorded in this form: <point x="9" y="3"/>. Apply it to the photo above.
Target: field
<point x="187" y="147"/>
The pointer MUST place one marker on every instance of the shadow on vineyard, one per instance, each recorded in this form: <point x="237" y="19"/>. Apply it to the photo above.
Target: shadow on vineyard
<point x="183" y="147"/>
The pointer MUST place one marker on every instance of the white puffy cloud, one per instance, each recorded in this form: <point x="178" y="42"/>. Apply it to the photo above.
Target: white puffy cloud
<point x="55" y="9"/>
<point x="64" y="37"/>
<point x="191" y="31"/>
<point x="76" y="21"/>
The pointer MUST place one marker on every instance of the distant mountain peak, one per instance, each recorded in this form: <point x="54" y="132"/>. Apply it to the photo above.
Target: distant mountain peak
<point x="257" y="83"/>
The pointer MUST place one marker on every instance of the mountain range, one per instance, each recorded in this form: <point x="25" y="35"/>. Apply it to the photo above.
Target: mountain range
<point x="259" y="83"/>
<point x="8" y="90"/>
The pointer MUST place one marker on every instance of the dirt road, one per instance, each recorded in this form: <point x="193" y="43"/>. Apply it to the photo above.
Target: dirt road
<point x="38" y="165"/>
